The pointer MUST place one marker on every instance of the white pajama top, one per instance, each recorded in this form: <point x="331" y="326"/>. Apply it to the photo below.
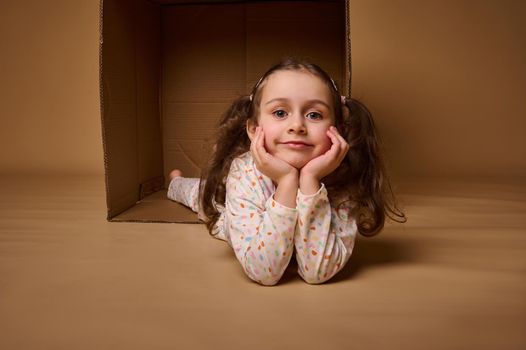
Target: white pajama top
<point x="264" y="234"/>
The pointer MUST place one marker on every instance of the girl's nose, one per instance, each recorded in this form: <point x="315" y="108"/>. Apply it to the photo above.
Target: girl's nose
<point x="297" y="125"/>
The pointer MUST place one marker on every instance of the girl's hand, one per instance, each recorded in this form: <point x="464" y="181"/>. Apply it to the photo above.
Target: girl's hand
<point x="269" y="165"/>
<point x="325" y="164"/>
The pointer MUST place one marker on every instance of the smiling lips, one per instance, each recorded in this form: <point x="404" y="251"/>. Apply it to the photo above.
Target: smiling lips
<point x="297" y="144"/>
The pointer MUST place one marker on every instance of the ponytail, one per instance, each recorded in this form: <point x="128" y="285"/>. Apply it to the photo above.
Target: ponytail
<point x="363" y="173"/>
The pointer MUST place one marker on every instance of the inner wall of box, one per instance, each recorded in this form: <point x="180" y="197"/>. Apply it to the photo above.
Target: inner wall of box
<point x="169" y="71"/>
<point x="213" y="53"/>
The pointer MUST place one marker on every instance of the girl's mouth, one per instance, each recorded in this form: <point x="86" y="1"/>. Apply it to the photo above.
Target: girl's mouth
<point x="297" y="144"/>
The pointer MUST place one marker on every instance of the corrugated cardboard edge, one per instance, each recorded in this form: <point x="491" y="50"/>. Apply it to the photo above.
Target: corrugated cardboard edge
<point x="348" y="61"/>
<point x="147" y="221"/>
<point x="101" y="97"/>
<point x="150" y="187"/>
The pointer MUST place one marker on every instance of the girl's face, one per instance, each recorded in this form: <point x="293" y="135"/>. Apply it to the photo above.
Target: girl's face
<point x="296" y="111"/>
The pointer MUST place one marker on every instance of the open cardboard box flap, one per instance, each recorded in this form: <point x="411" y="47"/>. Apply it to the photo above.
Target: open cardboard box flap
<point x="169" y="69"/>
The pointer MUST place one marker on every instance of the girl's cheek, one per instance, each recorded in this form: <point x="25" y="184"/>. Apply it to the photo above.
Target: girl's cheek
<point x="268" y="147"/>
<point x="327" y="144"/>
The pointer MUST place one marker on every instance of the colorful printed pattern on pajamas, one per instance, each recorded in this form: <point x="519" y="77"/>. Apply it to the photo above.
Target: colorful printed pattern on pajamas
<point x="264" y="233"/>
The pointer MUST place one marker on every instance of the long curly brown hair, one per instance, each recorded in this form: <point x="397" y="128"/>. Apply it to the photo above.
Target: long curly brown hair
<point x="360" y="180"/>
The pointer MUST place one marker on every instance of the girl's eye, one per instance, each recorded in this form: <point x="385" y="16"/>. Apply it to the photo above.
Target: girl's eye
<point x="314" y="115"/>
<point x="280" y="113"/>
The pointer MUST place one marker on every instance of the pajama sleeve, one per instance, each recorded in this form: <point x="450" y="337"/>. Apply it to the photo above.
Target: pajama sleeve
<point x="260" y="230"/>
<point x="324" y="237"/>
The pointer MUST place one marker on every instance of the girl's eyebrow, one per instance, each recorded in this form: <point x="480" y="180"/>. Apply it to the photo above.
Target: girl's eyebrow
<point x="309" y="101"/>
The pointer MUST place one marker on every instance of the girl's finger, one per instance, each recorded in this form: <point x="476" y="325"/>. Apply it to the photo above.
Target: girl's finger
<point x="340" y="145"/>
<point x="344" y="146"/>
<point x="261" y="139"/>
<point x="333" y="152"/>
<point x="254" y="147"/>
<point x="334" y="139"/>
<point x="254" y="140"/>
<point x="337" y="134"/>
<point x="260" y="146"/>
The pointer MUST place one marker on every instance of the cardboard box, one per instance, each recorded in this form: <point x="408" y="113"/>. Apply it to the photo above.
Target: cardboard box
<point x="169" y="69"/>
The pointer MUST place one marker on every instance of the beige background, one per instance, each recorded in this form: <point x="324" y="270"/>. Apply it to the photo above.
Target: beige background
<point x="444" y="80"/>
<point x="49" y="92"/>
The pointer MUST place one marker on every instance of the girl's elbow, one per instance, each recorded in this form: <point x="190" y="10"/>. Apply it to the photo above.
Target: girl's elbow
<point x="265" y="279"/>
<point x="315" y="279"/>
<point x="318" y="276"/>
<point x="269" y="282"/>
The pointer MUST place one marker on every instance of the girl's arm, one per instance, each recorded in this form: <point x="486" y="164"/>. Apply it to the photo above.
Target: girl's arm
<point x="260" y="231"/>
<point x="283" y="174"/>
<point x="324" y="238"/>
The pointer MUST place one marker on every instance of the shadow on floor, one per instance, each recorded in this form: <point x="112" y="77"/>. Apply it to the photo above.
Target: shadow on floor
<point x="369" y="253"/>
<point x="372" y="253"/>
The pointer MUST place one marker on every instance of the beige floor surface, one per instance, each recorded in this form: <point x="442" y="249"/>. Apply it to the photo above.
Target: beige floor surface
<point x="452" y="277"/>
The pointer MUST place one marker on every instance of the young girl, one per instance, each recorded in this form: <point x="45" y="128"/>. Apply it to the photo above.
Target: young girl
<point x="296" y="170"/>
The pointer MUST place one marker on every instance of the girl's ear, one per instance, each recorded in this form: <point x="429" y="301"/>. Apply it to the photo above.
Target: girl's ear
<point x="251" y="129"/>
